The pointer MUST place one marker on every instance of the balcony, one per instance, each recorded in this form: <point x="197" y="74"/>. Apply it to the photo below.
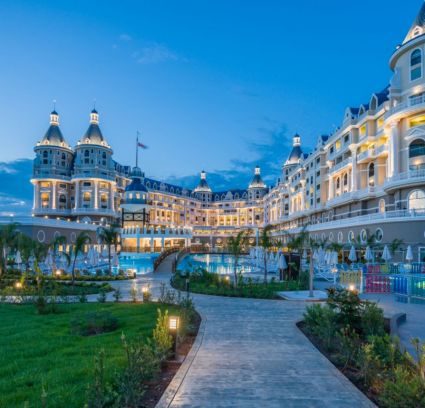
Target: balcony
<point x="137" y="232"/>
<point x="412" y="104"/>
<point x="92" y="211"/>
<point x="53" y="212"/>
<point x="407" y="178"/>
<point x="372" y="153"/>
<point x="340" y="166"/>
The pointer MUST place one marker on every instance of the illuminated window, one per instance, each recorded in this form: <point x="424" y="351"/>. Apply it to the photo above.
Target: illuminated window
<point x="416" y="65"/>
<point x="418" y="121"/>
<point x="363" y="130"/>
<point x="381" y="205"/>
<point x="416" y="200"/>
<point x="86" y="196"/>
<point x="45" y="199"/>
<point x="338" y="144"/>
<point x="371" y="174"/>
<point x="45" y="184"/>
<point x="380" y="122"/>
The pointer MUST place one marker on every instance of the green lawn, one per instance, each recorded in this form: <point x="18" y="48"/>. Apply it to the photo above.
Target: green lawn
<point x="37" y="350"/>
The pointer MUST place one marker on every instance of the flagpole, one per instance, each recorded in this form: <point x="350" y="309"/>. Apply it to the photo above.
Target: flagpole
<point x="137" y="148"/>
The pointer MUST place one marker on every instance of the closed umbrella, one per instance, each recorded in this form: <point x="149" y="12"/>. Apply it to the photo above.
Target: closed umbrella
<point x="334" y="258"/>
<point x="409" y="254"/>
<point x="115" y="260"/>
<point x="368" y="255"/>
<point x="352" y="256"/>
<point x="282" y="262"/>
<point x="18" y="259"/>
<point x="386" y="254"/>
<point x="315" y="255"/>
<point x="305" y="254"/>
<point x="49" y="261"/>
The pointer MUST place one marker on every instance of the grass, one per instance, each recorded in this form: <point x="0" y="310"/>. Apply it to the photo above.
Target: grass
<point x="213" y="284"/>
<point x="39" y="351"/>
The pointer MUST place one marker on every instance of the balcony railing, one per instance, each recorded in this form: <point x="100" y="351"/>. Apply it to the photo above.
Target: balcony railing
<point x="413" y="175"/>
<point x="340" y="165"/>
<point x="411" y="102"/>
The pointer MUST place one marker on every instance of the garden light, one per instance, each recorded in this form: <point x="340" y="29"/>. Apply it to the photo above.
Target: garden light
<point x="173" y="323"/>
<point x="58" y="272"/>
<point x="18" y="285"/>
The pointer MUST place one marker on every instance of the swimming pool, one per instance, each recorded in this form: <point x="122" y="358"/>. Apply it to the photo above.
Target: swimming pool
<point x="222" y="264"/>
<point x="141" y="265"/>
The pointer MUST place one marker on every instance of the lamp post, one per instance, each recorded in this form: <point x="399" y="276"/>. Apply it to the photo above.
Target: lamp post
<point x="173" y="327"/>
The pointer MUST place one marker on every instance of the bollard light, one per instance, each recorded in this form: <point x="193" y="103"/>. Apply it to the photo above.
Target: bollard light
<point x="227" y="278"/>
<point x="18" y="285"/>
<point x="173" y="323"/>
<point x="58" y="272"/>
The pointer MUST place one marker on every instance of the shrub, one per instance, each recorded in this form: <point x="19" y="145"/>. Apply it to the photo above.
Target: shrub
<point x="162" y="339"/>
<point x="166" y="296"/>
<point x="100" y="393"/>
<point x="133" y="293"/>
<point x="349" y="343"/>
<point x="372" y="320"/>
<point x="41" y="305"/>
<point x="82" y="298"/>
<point x="187" y="317"/>
<point x="348" y="306"/>
<point x="102" y="296"/>
<point x="117" y="295"/>
<point x="406" y="390"/>
<point x="94" y="323"/>
<point x="322" y="322"/>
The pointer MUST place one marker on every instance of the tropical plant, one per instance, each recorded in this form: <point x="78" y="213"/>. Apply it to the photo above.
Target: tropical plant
<point x="266" y="243"/>
<point x="109" y="237"/>
<point x="395" y="245"/>
<point x="82" y="239"/>
<point x="54" y="246"/>
<point x="8" y="240"/>
<point x="236" y="246"/>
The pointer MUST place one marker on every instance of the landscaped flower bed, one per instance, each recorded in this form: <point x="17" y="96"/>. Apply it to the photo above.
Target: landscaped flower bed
<point x="353" y="334"/>
<point x="208" y="283"/>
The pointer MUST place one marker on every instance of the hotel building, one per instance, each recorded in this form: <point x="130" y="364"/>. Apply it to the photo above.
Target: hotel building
<point x="367" y="178"/>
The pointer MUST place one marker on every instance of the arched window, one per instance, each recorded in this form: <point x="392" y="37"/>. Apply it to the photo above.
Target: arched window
<point x="371" y="174"/>
<point x="416" y="64"/>
<point x="345" y="179"/>
<point x="381" y="205"/>
<point x="416" y="200"/>
<point x="417" y="148"/>
<point x="338" y="183"/>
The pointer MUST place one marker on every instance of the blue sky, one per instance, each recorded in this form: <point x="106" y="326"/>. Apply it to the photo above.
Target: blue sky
<point x="215" y="85"/>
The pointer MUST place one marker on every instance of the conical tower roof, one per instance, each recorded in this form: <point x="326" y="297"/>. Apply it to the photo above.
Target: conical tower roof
<point x="257" y="181"/>
<point x="203" y="186"/>
<point x="53" y="136"/>
<point x="296" y="153"/>
<point x="93" y="134"/>
<point x="418" y="26"/>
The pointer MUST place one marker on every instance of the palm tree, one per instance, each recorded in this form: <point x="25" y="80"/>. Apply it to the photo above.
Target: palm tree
<point x="236" y="246"/>
<point x="8" y="239"/>
<point x="109" y="236"/>
<point x="25" y="244"/>
<point x="83" y="238"/>
<point x="265" y="243"/>
<point x="54" y="246"/>
<point x="395" y="244"/>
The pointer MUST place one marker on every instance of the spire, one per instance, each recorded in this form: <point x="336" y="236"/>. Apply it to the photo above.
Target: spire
<point x="296" y="153"/>
<point x="418" y="26"/>
<point x="54" y="118"/>
<point x="296" y="140"/>
<point x="94" y="117"/>
<point x="203" y="186"/>
<point x="257" y="181"/>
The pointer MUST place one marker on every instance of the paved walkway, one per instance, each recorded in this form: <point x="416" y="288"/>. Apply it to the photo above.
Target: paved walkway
<point x="251" y="354"/>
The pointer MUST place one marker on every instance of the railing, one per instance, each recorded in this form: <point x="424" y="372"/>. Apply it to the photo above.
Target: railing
<point x="162" y="256"/>
<point x="412" y="174"/>
<point x="339" y="166"/>
<point x="372" y="152"/>
<point x="183" y="232"/>
<point x="411" y="102"/>
<point x="51" y="211"/>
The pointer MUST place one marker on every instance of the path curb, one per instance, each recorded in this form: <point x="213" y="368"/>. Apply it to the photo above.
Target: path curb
<point x="172" y="389"/>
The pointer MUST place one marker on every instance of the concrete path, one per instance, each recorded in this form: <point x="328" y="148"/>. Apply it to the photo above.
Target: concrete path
<point x="251" y="354"/>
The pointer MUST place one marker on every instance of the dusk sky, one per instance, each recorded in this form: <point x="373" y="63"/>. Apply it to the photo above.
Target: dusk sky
<point x="216" y="85"/>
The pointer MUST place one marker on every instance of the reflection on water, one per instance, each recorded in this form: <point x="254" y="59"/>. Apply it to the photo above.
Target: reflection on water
<point x="140" y="265"/>
<point x="217" y="263"/>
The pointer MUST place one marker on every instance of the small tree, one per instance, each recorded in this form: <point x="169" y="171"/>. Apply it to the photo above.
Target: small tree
<point x="236" y="246"/>
<point x="109" y="237"/>
<point x="8" y="240"/>
<point x="54" y="246"/>
<point x="266" y="243"/>
<point x="83" y="238"/>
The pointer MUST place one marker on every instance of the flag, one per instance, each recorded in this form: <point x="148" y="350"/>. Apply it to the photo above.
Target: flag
<point x="141" y="145"/>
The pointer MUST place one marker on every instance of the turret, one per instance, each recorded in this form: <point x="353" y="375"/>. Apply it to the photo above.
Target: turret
<point x="203" y="190"/>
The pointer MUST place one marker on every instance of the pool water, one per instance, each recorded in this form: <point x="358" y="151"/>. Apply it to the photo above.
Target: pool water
<point x="141" y="265"/>
<point x="222" y="264"/>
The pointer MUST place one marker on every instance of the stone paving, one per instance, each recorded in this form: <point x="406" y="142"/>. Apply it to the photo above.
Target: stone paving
<point x="251" y="354"/>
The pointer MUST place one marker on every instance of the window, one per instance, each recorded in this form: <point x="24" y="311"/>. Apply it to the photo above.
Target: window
<point x="45" y="198"/>
<point x="351" y="238"/>
<point x="379" y="235"/>
<point x="417" y="148"/>
<point x="340" y="237"/>
<point x="416" y="200"/>
<point x="363" y="131"/>
<point x="381" y="205"/>
<point x="86" y="196"/>
<point x="345" y="179"/>
<point x="417" y="121"/>
<point x="416" y="65"/>
<point x="371" y="174"/>
<point x="346" y="138"/>
<point x="363" y="236"/>
<point x="338" y="183"/>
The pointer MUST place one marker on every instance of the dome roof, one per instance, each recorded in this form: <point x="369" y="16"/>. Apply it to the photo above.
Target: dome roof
<point x="136" y="184"/>
<point x="93" y="134"/>
<point x="53" y="136"/>
<point x="203" y="186"/>
<point x="257" y="181"/>
<point x="296" y="153"/>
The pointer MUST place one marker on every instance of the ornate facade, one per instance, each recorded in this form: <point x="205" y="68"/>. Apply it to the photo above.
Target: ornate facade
<point x="368" y="177"/>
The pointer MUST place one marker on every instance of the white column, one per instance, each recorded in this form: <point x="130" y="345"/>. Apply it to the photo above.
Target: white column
<point x="36" y="205"/>
<point x="393" y="156"/>
<point x="111" y="197"/>
<point x="96" y="195"/>
<point x="330" y="188"/>
<point x="77" y="195"/>
<point x="354" y="170"/>
<point x="54" y="195"/>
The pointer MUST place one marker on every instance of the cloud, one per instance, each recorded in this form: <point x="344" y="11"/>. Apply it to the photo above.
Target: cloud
<point x="154" y="53"/>
<point x="125" y="37"/>
<point x="271" y="150"/>
<point x="16" y="191"/>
